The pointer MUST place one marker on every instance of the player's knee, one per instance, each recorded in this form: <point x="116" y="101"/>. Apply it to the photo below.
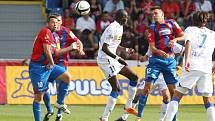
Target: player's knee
<point x="38" y="98"/>
<point x="146" y="90"/>
<point x="166" y="95"/>
<point x="65" y="77"/>
<point x="166" y="98"/>
<point x="133" y="80"/>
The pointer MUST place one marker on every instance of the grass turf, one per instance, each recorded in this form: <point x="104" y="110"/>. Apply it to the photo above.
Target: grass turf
<point x="92" y="112"/>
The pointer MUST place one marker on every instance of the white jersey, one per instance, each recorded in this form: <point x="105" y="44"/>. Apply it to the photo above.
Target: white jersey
<point x="202" y="47"/>
<point x="112" y="36"/>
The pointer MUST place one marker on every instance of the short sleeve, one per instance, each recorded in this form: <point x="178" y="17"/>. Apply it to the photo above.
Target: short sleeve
<point x="46" y="36"/>
<point x="178" y="48"/>
<point x="71" y="37"/>
<point x="176" y="27"/>
<point x="151" y="35"/>
<point x="188" y="34"/>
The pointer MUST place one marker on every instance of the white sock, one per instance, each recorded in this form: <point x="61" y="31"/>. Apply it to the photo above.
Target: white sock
<point x="129" y="104"/>
<point x="109" y="107"/>
<point x="134" y="105"/>
<point x="211" y="113"/>
<point x="163" y="111"/>
<point x="131" y="94"/>
<point x="172" y="110"/>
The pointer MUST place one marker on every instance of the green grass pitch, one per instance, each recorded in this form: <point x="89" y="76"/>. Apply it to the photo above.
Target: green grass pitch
<point x="92" y="112"/>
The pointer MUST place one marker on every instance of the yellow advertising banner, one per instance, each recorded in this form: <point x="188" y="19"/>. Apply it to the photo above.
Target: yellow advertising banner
<point x="87" y="87"/>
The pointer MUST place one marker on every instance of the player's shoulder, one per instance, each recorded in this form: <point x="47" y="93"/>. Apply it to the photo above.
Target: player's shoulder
<point x="171" y="20"/>
<point x="111" y="28"/>
<point x="209" y="30"/>
<point x="152" y="26"/>
<point x="45" y="30"/>
<point x="190" y="28"/>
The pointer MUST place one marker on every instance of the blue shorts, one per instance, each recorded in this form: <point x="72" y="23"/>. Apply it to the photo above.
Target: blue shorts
<point x="159" y="65"/>
<point x="39" y="75"/>
<point x="52" y="77"/>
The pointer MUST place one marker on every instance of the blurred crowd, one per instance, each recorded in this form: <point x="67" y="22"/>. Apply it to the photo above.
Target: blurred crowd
<point x="89" y="28"/>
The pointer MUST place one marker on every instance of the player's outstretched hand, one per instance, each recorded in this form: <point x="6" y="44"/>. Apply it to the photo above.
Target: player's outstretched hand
<point x="122" y="61"/>
<point x="81" y="52"/>
<point x="187" y="67"/>
<point x="130" y="51"/>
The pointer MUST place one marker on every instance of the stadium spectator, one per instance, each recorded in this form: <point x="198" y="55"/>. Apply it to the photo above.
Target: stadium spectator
<point x="171" y="9"/>
<point x="131" y="8"/>
<point x="204" y="5"/>
<point x="72" y="9"/>
<point x="187" y="10"/>
<point x="113" y="5"/>
<point x="68" y="21"/>
<point x="95" y="9"/>
<point x="86" y="31"/>
<point x="146" y="6"/>
<point x="140" y="24"/>
<point x="102" y="23"/>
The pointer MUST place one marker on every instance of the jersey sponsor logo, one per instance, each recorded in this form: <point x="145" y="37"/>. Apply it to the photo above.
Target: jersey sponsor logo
<point x="118" y="38"/>
<point x="165" y="31"/>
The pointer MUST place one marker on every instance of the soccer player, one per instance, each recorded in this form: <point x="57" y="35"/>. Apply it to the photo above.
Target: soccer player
<point x="199" y="47"/>
<point x="42" y="66"/>
<point x="64" y="39"/>
<point x="159" y="84"/>
<point x="111" y="64"/>
<point x="161" y="37"/>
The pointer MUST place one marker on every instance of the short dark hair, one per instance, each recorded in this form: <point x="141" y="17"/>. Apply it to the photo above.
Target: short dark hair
<point x="53" y="15"/>
<point x="155" y="7"/>
<point x="200" y="18"/>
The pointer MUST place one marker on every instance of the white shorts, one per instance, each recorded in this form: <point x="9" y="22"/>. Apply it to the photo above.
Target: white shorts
<point x="159" y="84"/>
<point x="202" y="80"/>
<point x="110" y="67"/>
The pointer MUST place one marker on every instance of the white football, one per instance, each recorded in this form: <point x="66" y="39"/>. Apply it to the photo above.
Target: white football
<point x="82" y="7"/>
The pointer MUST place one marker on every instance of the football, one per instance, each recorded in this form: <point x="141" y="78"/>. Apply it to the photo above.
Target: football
<point x="82" y="7"/>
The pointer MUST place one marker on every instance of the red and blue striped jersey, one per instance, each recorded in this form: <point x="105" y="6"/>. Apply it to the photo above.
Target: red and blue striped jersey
<point x="45" y="36"/>
<point x="66" y="37"/>
<point x="161" y="34"/>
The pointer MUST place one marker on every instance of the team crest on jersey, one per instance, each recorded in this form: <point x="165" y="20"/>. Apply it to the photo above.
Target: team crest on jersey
<point x="165" y="31"/>
<point x="118" y="38"/>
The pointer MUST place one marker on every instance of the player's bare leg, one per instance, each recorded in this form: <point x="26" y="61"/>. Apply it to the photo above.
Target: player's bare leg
<point x="111" y="99"/>
<point x="165" y="104"/>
